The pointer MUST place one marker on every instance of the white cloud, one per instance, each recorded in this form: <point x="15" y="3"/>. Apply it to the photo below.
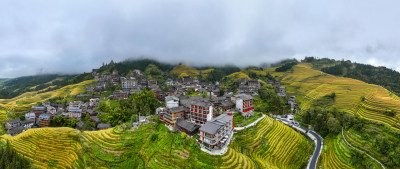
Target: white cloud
<point x="75" y="36"/>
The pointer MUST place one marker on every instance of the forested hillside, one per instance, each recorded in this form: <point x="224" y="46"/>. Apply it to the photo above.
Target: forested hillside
<point x="388" y="78"/>
<point x="17" y="86"/>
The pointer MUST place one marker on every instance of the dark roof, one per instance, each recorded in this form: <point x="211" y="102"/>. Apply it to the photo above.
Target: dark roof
<point x="80" y="123"/>
<point x="27" y="121"/>
<point x="171" y="98"/>
<point x="216" y="124"/>
<point x="202" y="103"/>
<point x="104" y="126"/>
<point x="14" y="120"/>
<point x="177" y="109"/>
<point x="15" y="130"/>
<point x="95" y="119"/>
<point x="211" y="127"/>
<point x="227" y="103"/>
<point x="187" y="125"/>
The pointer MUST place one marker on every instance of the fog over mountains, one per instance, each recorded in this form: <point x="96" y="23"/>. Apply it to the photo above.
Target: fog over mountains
<point x="74" y="36"/>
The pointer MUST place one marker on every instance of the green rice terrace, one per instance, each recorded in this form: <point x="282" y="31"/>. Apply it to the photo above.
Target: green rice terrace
<point x="272" y="145"/>
<point x="378" y="131"/>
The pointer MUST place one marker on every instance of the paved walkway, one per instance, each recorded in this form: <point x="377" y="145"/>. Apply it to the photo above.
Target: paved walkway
<point x="362" y="151"/>
<point x="251" y="124"/>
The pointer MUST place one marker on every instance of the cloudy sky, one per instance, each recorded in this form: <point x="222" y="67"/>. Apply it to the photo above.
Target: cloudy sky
<point x="46" y="36"/>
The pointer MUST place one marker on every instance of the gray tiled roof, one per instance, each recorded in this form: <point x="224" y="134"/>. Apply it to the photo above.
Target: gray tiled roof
<point x="227" y="103"/>
<point x="104" y="126"/>
<point x="202" y="103"/>
<point x="27" y="121"/>
<point x="80" y="124"/>
<point x="16" y="130"/>
<point x="216" y="124"/>
<point x="211" y="127"/>
<point x="176" y="109"/>
<point x="187" y="125"/>
<point x="244" y="96"/>
<point x="171" y="98"/>
<point x="13" y="120"/>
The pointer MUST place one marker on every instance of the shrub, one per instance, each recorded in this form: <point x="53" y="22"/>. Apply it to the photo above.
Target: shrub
<point x="153" y="137"/>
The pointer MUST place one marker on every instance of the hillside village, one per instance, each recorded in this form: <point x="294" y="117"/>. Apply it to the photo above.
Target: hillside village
<point x="191" y="106"/>
<point x="208" y="116"/>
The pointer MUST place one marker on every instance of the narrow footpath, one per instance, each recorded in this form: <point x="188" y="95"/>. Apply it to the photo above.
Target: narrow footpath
<point x="361" y="151"/>
<point x="251" y="124"/>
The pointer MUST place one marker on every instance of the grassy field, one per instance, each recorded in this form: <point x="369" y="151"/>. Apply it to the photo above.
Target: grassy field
<point x="311" y="85"/>
<point x="29" y="99"/>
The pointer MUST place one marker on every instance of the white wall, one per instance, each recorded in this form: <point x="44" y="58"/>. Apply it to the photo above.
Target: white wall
<point x="210" y="114"/>
<point x="239" y="104"/>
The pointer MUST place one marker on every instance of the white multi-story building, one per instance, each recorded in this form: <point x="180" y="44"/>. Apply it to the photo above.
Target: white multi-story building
<point x="244" y="103"/>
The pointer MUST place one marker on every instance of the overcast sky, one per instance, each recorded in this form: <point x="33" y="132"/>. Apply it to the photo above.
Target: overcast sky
<point x="75" y="36"/>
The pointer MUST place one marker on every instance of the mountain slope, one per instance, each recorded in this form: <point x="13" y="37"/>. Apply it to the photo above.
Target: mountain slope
<point x="353" y="96"/>
<point x="28" y="99"/>
<point x="183" y="70"/>
<point x="272" y="144"/>
<point x="388" y="78"/>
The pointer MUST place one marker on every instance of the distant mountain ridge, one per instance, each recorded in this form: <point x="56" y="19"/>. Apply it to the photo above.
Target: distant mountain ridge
<point x="10" y="88"/>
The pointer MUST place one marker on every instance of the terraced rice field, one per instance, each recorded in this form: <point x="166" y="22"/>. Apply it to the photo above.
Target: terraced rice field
<point x="312" y="84"/>
<point x="329" y="159"/>
<point x="273" y="145"/>
<point x="28" y="99"/>
<point x="47" y="146"/>
<point x="234" y="159"/>
<point x="376" y="104"/>
<point x="108" y="140"/>
<point x="343" y="150"/>
<point x="3" y="115"/>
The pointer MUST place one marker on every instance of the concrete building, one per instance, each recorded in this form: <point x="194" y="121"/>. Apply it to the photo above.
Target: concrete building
<point x="215" y="133"/>
<point x="171" y="101"/>
<point x="44" y="120"/>
<point x="173" y="115"/>
<point x="244" y="103"/>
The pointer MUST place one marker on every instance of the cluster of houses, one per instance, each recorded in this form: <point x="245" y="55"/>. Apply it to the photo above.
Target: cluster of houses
<point x="41" y="116"/>
<point x="136" y="80"/>
<point x="249" y="87"/>
<point x="195" y="114"/>
<point x="281" y="91"/>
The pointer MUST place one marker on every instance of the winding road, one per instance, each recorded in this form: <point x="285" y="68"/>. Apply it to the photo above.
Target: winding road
<point x="312" y="162"/>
